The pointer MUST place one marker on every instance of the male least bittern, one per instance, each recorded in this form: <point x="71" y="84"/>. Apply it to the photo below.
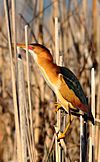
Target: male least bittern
<point x="62" y="81"/>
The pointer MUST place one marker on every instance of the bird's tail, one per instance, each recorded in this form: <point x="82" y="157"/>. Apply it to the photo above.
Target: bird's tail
<point x="90" y="117"/>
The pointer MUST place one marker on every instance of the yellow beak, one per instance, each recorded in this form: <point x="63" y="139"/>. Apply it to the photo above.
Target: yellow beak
<point x="21" y="45"/>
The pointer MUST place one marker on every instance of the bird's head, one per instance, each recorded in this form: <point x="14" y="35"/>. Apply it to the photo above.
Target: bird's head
<point x="38" y="51"/>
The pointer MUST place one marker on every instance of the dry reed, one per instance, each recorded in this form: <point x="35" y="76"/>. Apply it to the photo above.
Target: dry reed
<point x="81" y="135"/>
<point x="21" y="100"/>
<point x="74" y="54"/>
<point x="13" y="82"/>
<point x="58" y="147"/>
<point x="32" y="145"/>
<point x="92" y="131"/>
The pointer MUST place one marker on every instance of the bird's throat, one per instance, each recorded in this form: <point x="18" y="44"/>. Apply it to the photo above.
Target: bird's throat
<point x="49" y="71"/>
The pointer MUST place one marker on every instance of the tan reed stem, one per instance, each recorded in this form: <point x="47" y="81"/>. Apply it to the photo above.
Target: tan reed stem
<point x="13" y="82"/>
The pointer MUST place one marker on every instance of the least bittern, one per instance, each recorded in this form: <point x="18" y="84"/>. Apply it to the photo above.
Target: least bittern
<point x="62" y="81"/>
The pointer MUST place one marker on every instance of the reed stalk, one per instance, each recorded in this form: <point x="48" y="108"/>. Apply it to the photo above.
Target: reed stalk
<point x="97" y="144"/>
<point x="13" y="82"/>
<point x="81" y="135"/>
<point x="21" y="100"/>
<point x="14" y="28"/>
<point x="92" y="131"/>
<point x="29" y="94"/>
<point x="93" y="109"/>
<point x="46" y="157"/>
<point x="58" y="148"/>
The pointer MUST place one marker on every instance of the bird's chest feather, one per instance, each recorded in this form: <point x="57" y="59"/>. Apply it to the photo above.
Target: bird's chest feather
<point x="51" y="78"/>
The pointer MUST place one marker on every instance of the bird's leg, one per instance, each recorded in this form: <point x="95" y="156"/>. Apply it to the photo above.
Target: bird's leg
<point x="62" y="135"/>
<point x="58" y="106"/>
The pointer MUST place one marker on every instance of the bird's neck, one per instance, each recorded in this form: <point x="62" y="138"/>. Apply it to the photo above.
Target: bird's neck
<point x="46" y="65"/>
<point x="48" y="69"/>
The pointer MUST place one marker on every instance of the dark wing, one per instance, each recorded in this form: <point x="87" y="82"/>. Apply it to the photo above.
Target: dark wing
<point x="73" y="83"/>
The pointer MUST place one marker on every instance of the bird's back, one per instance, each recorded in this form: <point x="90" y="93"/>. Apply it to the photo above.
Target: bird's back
<point x="73" y="83"/>
<point x="76" y="94"/>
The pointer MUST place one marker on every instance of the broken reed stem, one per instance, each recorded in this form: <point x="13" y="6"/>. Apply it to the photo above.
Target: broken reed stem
<point x="21" y="100"/>
<point x="29" y="93"/>
<point x="13" y="82"/>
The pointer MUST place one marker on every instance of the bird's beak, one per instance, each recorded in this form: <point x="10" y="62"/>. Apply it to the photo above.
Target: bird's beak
<point x="23" y="46"/>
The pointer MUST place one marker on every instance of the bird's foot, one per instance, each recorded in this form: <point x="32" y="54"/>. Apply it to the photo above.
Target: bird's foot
<point x="60" y="136"/>
<point x="58" y="106"/>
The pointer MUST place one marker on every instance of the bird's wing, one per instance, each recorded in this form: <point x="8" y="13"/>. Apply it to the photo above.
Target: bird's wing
<point x="74" y="92"/>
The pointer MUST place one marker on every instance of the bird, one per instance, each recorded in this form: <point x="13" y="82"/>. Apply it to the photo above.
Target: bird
<point x="62" y="82"/>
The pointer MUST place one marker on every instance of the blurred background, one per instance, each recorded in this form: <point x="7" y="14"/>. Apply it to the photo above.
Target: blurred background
<point x="79" y="43"/>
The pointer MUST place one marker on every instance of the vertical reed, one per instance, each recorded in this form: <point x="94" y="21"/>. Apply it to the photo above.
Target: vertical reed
<point x="94" y="23"/>
<point x="97" y="149"/>
<point x="83" y="123"/>
<point x="21" y="100"/>
<point x="93" y="110"/>
<point x="13" y="81"/>
<point x="73" y="50"/>
<point x="14" y="28"/>
<point x="83" y="142"/>
<point x="92" y="131"/>
<point x="29" y="93"/>
<point x="81" y="136"/>
<point x="58" y="149"/>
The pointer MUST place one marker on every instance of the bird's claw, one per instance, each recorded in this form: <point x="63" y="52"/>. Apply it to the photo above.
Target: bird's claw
<point x="58" y="106"/>
<point x="60" y="136"/>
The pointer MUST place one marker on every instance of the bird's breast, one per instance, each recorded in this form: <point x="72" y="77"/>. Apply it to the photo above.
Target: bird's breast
<point x="51" y="78"/>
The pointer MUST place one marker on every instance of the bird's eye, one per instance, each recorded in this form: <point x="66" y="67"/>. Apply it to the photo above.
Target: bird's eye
<point x="30" y="47"/>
